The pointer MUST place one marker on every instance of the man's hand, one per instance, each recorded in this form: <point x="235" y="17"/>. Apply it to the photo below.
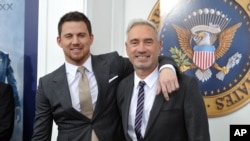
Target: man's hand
<point x="168" y="82"/>
<point x="18" y="114"/>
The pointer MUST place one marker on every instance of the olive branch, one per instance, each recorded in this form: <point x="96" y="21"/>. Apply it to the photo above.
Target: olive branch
<point x="179" y="57"/>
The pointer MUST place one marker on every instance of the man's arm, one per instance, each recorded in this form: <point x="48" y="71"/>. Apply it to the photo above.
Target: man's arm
<point x="43" y="117"/>
<point x="168" y="81"/>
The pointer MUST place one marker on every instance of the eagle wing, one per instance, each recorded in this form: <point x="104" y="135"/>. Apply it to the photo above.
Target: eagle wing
<point x="184" y="39"/>
<point x="225" y="40"/>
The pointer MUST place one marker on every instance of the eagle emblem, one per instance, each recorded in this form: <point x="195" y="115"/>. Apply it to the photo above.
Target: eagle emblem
<point x="205" y="40"/>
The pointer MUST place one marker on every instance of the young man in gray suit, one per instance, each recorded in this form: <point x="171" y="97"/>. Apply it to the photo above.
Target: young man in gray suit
<point x="147" y="117"/>
<point x="57" y="96"/>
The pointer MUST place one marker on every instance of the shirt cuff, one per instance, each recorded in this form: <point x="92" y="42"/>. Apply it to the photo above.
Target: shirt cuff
<point x="167" y="66"/>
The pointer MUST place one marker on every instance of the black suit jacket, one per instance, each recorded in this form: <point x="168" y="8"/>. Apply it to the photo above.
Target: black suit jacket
<point x="182" y="118"/>
<point x="7" y="111"/>
<point x="53" y="102"/>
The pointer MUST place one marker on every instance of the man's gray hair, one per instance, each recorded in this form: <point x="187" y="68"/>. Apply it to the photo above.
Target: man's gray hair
<point x="141" y="22"/>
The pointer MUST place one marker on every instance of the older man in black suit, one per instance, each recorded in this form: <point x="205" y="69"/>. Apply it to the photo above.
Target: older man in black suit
<point x="147" y="117"/>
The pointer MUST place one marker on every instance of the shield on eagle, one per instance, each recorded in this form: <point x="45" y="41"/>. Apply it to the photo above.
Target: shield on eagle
<point x="204" y="56"/>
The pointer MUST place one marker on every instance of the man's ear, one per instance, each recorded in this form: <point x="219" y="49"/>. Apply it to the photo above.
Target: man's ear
<point x="126" y="45"/>
<point x="160" y="46"/>
<point x="92" y="38"/>
<point x="58" y="40"/>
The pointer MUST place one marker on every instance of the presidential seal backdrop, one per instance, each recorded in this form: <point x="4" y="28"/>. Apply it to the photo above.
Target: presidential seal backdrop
<point x="210" y="40"/>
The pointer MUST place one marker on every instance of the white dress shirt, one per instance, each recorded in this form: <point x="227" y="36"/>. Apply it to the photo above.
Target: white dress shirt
<point x="73" y="77"/>
<point x="150" y="90"/>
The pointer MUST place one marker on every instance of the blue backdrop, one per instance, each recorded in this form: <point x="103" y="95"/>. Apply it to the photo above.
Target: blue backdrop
<point x="30" y="66"/>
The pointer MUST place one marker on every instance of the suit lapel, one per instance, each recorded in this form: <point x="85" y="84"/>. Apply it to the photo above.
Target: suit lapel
<point x="159" y="99"/>
<point x="63" y="93"/>
<point x="101" y="71"/>
<point x="128" y="91"/>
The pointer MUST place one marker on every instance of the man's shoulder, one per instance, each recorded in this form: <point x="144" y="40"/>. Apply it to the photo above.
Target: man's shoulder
<point x="107" y="55"/>
<point x="128" y="79"/>
<point x="54" y="73"/>
<point x="110" y="57"/>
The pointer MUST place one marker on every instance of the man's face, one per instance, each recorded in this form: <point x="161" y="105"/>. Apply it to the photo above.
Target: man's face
<point x="75" y="41"/>
<point x="143" y="47"/>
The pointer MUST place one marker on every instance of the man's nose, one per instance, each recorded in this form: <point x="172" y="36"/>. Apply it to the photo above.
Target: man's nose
<point x="75" y="40"/>
<point x="141" y="47"/>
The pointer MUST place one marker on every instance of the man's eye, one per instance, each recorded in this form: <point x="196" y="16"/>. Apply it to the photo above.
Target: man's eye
<point x="134" y="43"/>
<point x="149" y="42"/>
<point x="81" y="35"/>
<point x="68" y="36"/>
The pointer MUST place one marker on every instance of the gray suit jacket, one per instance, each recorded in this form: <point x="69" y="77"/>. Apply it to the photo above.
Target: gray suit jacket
<point x="182" y="118"/>
<point x="53" y="102"/>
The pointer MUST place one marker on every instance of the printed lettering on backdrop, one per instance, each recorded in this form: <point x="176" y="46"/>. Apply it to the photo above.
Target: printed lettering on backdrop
<point x="12" y="44"/>
<point x="210" y="40"/>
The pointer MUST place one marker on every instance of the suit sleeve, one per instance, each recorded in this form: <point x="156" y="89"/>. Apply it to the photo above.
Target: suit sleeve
<point x="122" y="65"/>
<point x="43" y="117"/>
<point x="125" y="66"/>
<point x="195" y="113"/>
<point x="6" y="113"/>
<point x="163" y="60"/>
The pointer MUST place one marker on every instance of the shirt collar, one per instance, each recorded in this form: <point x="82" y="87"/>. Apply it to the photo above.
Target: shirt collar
<point x="149" y="80"/>
<point x="72" y="69"/>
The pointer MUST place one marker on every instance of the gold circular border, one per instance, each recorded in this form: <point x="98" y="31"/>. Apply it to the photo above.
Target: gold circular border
<point x="235" y="97"/>
<point x="154" y="15"/>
